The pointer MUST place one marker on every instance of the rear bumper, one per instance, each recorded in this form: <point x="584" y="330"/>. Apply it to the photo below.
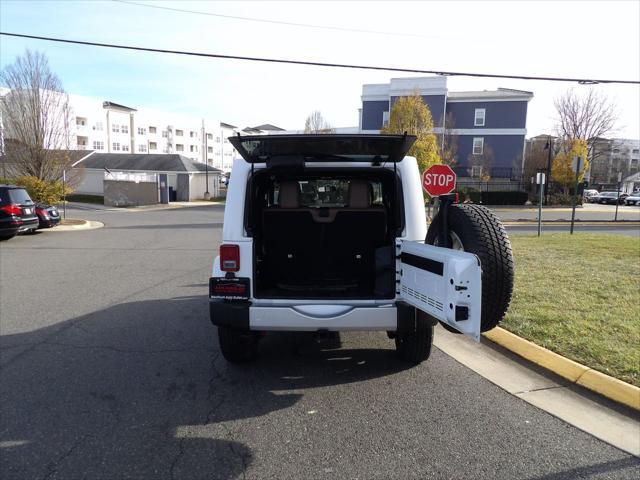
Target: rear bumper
<point x="48" y="222"/>
<point x="28" y="224"/>
<point x="303" y="317"/>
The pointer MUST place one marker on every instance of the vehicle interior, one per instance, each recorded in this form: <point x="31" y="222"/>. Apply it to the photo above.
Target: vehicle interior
<point x="324" y="233"/>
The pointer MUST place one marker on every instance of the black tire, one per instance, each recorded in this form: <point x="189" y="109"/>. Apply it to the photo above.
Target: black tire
<point x="483" y="234"/>
<point x="237" y="346"/>
<point x="415" y="347"/>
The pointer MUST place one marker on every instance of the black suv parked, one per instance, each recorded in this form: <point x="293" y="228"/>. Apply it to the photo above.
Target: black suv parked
<point x="17" y="212"/>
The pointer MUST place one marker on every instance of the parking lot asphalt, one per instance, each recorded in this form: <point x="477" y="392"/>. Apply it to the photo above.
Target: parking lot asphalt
<point x="111" y="369"/>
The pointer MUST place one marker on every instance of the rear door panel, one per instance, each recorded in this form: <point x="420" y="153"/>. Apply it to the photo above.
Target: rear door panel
<point x="444" y="283"/>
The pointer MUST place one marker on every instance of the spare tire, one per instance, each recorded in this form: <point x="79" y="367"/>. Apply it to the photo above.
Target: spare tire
<point x="475" y="229"/>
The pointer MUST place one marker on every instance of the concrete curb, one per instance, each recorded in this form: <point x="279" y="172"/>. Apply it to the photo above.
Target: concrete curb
<point x="583" y="223"/>
<point x="610" y="387"/>
<point x="87" y="225"/>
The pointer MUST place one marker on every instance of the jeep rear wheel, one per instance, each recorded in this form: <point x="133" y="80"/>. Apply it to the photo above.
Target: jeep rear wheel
<point x="237" y="345"/>
<point x="415" y="347"/>
<point x="475" y="229"/>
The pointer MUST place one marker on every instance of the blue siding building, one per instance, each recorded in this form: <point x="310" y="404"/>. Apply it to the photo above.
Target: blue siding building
<point x="489" y="126"/>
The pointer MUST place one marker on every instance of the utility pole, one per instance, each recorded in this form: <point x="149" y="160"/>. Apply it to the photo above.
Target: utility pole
<point x="578" y="161"/>
<point x="207" y="195"/>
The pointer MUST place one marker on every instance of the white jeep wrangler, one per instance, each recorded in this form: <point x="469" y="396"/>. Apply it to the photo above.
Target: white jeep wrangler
<point x="329" y="233"/>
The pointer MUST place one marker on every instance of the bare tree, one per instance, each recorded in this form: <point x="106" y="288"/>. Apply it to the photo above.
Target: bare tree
<point x="449" y="141"/>
<point x="481" y="165"/>
<point x="588" y="117"/>
<point x="36" y="117"/>
<point x="316" y="123"/>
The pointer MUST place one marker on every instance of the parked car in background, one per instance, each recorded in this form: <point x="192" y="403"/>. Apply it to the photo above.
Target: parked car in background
<point x="633" y="199"/>
<point x="610" y="198"/>
<point x="48" y="215"/>
<point x="17" y="212"/>
<point x="590" y="195"/>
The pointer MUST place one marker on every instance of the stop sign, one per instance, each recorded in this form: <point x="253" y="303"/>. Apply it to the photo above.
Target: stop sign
<point x="438" y="180"/>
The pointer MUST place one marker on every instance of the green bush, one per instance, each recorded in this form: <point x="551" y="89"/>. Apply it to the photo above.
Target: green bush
<point x="468" y="194"/>
<point x="504" y="198"/>
<point x="82" y="198"/>
<point x="563" y="199"/>
<point x="42" y="191"/>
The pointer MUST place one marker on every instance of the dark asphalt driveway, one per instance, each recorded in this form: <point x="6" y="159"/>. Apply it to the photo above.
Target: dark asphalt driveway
<point x="111" y="369"/>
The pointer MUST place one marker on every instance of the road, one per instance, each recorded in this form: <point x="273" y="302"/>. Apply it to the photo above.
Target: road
<point x="111" y="370"/>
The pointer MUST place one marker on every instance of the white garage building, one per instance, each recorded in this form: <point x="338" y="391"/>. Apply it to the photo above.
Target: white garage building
<point x="187" y="179"/>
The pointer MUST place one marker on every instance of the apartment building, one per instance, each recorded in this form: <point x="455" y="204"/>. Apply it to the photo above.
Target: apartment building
<point x="610" y="157"/>
<point x="489" y="127"/>
<point x="109" y="127"/>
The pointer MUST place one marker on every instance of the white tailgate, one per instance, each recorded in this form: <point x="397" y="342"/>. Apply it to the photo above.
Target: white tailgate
<point x="443" y="282"/>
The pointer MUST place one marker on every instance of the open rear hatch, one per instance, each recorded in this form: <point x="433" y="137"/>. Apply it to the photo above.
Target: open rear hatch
<point x="293" y="149"/>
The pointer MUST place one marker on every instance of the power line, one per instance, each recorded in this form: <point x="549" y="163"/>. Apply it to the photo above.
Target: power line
<point x="277" y="22"/>
<point x="584" y="81"/>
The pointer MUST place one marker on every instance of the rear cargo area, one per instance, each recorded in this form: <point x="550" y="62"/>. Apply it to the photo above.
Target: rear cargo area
<point x="324" y="237"/>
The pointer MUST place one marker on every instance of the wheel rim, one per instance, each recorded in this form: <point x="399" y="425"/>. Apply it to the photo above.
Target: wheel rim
<point x="456" y="243"/>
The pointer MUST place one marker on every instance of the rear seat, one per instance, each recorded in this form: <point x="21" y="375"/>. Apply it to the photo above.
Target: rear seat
<point x="292" y="238"/>
<point x="306" y="244"/>
<point x="351" y="240"/>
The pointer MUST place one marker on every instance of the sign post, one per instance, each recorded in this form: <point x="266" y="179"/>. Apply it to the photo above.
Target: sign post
<point x="577" y="162"/>
<point x="440" y="180"/>
<point x="615" y="219"/>
<point x="540" y="180"/>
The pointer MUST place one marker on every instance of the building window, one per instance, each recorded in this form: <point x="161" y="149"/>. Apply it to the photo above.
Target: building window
<point x="635" y="150"/>
<point x="97" y="145"/>
<point x="476" y="171"/>
<point x="193" y="148"/>
<point x="125" y="129"/>
<point x="116" y="147"/>
<point x="209" y="136"/>
<point x="217" y="139"/>
<point x="153" y="146"/>
<point x="142" y="148"/>
<point x="179" y="147"/>
<point x="142" y="131"/>
<point x="125" y="147"/>
<point x="210" y="160"/>
<point x="81" y="122"/>
<point x="226" y="140"/>
<point x="115" y="128"/>
<point x="193" y="134"/>
<point x="152" y="130"/>
<point x="179" y="133"/>
<point x="98" y="126"/>
<point x="616" y="150"/>
<point x="209" y="149"/>
<point x="479" y="117"/>
<point x="478" y="145"/>
<point x="165" y="134"/>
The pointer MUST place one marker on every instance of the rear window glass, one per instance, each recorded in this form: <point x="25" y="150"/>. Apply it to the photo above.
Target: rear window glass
<point x="329" y="193"/>
<point x="20" y="196"/>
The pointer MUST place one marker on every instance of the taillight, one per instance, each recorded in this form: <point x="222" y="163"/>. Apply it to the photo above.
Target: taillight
<point x="229" y="258"/>
<point x="12" y="210"/>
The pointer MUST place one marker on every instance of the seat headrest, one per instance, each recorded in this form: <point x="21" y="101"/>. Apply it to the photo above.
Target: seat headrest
<point x="289" y="196"/>
<point x="359" y="194"/>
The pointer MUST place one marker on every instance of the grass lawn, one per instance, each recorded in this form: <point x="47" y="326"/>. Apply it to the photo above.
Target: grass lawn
<point x="579" y="295"/>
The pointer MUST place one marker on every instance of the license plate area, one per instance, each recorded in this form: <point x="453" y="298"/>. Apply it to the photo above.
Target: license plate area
<point x="229" y="288"/>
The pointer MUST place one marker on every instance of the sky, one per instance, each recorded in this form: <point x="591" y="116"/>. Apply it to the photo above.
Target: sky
<point x="589" y="39"/>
